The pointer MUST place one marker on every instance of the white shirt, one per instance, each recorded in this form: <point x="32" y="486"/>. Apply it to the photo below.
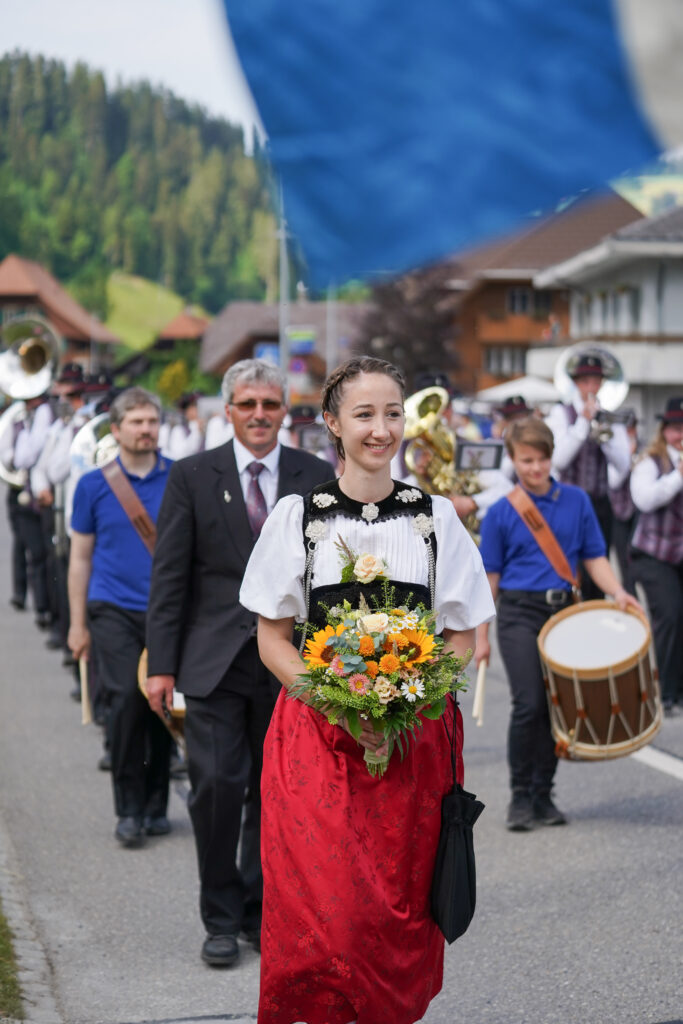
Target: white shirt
<point x="218" y="432"/>
<point x="183" y="439"/>
<point x="273" y="582"/>
<point x="32" y="438"/>
<point x="268" y="477"/>
<point x="650" y="491"/>
<point x="569" y="438"/>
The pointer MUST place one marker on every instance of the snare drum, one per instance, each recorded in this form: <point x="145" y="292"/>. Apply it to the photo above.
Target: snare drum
<point x="601" y="678"/>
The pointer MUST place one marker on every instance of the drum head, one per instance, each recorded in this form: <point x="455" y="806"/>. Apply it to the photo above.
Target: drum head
<point x="595" y="638"/>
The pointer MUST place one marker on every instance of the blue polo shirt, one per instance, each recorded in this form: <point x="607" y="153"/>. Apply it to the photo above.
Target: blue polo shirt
<point x="509" y="548"/>
<point x="121" y="564"/>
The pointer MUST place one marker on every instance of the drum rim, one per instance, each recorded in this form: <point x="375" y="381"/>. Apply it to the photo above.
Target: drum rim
<point x="599" y="672"/>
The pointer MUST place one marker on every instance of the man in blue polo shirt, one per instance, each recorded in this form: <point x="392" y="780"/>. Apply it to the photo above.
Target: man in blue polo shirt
<point x="109" y="577"/>
<point x="529" y="591"/>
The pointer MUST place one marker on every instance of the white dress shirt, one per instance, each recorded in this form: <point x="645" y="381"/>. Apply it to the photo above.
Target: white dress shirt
<point x="570" y="437"/>
<point x="269" y="476"/>
<point x="649" y="490"/>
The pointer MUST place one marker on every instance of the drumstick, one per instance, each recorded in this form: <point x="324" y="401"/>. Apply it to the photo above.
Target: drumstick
<point x="86" y="710"/>
<point x="478" y="703"/>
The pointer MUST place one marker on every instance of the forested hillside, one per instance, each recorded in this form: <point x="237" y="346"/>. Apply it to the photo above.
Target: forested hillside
<point x="92" y="180"/>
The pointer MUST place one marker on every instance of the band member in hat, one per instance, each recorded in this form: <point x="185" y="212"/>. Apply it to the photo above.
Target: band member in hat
<point x="581" y="460"/>
<point x="178" y="440"/>
<point x="657" y="546"/>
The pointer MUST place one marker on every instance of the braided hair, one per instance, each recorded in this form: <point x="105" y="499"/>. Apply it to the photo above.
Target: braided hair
<point x="352" y="368"/>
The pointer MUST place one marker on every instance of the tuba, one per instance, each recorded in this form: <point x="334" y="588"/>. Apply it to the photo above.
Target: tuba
<point x="612" y="393"/>
<point x="430" y="453"/>
<point x="27" y="369"/>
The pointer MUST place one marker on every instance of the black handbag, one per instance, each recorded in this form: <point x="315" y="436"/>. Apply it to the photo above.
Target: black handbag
<point x="454" y="884"/>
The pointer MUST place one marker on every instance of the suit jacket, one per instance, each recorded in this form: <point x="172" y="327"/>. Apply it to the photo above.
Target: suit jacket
<point x="195" y="623"/>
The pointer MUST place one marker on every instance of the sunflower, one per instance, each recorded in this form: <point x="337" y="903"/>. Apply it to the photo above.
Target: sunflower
<point x="318" y="654"/>
<point x="421" y="646"/>
<point x="389" y="663"/>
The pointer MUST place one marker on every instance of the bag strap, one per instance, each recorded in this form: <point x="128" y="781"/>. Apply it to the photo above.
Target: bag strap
<point x="453" y="739"/>
<point x="542" y="534"/>
<point x="130" y="503"/>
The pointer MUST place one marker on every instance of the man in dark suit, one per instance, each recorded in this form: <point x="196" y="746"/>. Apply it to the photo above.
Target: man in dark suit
<point x="201" y="639"/>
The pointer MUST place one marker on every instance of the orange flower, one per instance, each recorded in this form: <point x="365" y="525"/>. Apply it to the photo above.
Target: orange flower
<point x="317" y="653"/>
<point x="371" y="669"/>
<point x="389" y="663"/>
<point x="395" y="638"/>
<point x="366" y="646"/>
<point x="421" y="646"/>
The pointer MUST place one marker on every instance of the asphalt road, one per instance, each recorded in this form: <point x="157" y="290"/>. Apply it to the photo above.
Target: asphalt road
<point x="574" y="925"/>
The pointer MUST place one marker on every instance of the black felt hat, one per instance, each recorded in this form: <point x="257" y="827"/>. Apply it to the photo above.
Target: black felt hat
<point x="673" y="412"/>
<point x="514" y="405"/>
<point x="70" y="373"/>
<point x="588" y="366"/>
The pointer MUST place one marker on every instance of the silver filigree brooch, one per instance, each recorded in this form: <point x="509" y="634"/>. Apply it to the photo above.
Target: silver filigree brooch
<point x="324" y="500"/>
<point x="410" y="495"/>
<point x="424" y="525"/>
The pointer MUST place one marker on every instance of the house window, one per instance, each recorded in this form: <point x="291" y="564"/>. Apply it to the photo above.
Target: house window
<point x="519" y="300"/>
<point x="505" y="360"/>
<point x="634" y="310"/>
<point x="542" y="303"/>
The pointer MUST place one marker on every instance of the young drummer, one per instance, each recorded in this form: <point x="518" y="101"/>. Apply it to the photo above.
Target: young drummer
<point x="529" y="590"/>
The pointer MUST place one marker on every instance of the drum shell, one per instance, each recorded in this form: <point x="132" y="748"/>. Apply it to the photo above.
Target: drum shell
<point x="601" y="713"/>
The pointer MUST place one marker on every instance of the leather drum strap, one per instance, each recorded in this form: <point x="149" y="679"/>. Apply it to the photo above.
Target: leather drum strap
<point x="131" y="504"/>
<point x="542" y="534"/>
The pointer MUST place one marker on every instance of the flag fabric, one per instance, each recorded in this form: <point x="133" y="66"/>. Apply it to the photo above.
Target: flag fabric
<point x="404" y="131"/>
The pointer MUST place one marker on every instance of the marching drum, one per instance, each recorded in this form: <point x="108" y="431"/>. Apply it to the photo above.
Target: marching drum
<point x="601" y="680"/>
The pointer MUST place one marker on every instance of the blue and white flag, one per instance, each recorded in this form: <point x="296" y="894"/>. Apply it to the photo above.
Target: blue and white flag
<point x="403" y="131"/>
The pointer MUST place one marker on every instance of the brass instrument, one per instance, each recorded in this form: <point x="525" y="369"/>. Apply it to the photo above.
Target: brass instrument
<point x="430" y="455"/>
<point x="27" y="369"/>
<point x="94" y="444"/>
<point x="612" y="393"/>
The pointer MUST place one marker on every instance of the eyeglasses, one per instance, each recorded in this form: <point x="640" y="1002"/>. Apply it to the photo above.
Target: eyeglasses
<point x="249" y="404"/>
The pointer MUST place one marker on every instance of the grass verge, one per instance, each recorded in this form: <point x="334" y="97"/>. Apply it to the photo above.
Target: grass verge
<point x="10" y="993"/>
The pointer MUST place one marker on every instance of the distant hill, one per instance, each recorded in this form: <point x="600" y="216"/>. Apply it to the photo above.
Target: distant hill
<point x="135" y="179"/>
<point x="138" y="309"/>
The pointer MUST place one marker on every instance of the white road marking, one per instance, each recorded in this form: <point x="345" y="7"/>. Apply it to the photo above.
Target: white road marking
<point x="666" y="763"/>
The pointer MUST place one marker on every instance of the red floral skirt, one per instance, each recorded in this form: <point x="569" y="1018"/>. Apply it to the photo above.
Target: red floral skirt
<point x="347" y="867"/>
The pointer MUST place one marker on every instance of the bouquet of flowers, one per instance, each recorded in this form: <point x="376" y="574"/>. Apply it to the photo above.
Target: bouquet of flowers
<point x="382" y="664"/>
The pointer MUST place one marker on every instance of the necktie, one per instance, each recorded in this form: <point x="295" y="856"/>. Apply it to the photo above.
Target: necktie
<point x="256" y="503"/>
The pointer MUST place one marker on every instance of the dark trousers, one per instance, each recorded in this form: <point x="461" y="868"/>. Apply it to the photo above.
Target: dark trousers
<point x="663" y="586"/>
<point x="224" y="734"/>
<point x="139" y="741"/>
<point x="531" y="748"/>
<point x="19" y="566"/>
<point x="30" y="530"/>
<point x="603" y="510"/>
<point x="622" y="531"/>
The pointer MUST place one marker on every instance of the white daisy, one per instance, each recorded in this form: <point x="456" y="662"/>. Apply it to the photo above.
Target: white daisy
<point x="412" y="689"/>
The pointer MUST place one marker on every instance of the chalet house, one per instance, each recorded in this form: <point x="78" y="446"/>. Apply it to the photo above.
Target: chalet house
<point x="626" y="290"/>
<point x="27" y="288"/>
<point x="321" y="336"/>
<point x="504" y="313"/>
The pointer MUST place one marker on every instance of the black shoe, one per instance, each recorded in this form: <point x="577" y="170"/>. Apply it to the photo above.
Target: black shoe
<point x="75" y="694"/>
<point x="104" y="763"/>
<point x="18" y="603"/>
<point x="129" y="833"/>
<point x="520" y="817"/>
<point x="43" y="620"/>
<point x="253" y="937"/>
<point x="545" y="811"/>
<point x="68" y="660"/>
<point x="160" y="826"/>
<point x="220" y="950"/>
<point x="54" y="643"/>
<point x="669" y="709"/>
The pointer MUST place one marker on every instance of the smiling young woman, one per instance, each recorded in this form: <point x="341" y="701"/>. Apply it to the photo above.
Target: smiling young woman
<point x="347" y="859"/>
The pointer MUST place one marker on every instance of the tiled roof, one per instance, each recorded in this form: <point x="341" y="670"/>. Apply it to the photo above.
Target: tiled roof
<point x="184" y="325"/>
<point x="24" y="279"/>
<point x="240" y="321"/>
<point x="551" y="240"/>
<point x="666" y="227"/>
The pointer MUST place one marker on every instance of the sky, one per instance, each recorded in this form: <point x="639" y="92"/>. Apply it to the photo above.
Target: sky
<point x="184" y="45"/>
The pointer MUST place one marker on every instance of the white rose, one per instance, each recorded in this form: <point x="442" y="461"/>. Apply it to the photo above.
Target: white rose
<point x="367" y="568"/>
<point x="375" y="623"/>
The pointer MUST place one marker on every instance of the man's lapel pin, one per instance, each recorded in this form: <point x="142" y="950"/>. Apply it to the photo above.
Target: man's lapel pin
<point x="227" y="497"/>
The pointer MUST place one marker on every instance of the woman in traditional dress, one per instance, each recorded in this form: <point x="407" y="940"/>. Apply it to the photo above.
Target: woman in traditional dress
<point x="657" y="545"/>
<point x="347" y="857"/>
